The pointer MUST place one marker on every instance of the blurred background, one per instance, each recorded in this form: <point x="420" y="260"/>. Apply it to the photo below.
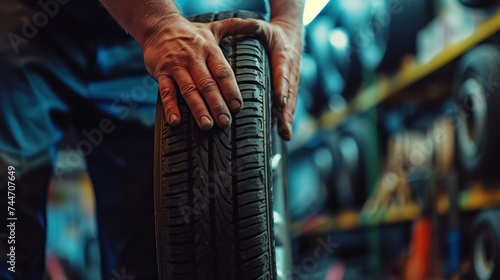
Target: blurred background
<point x="392" y="171"/>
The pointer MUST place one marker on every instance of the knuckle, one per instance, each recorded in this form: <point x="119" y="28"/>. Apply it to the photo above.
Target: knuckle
<point x="278" y="114"/>
<point x="207" y="85"/>
<point x="170" y="108"/>
<point x="208" y="47"/>
<point x="282" y="58"/>
<point x="222" y="72"/>
<point x="197" y="39"/>
<point x="188" y="90"/>
<point x="166" y="93"/>
<point x="255" y="24"/>
<point x="215" y="27"/>
<point x="248" y="24"/>
<point x="229" y="21"/>
<point x="174" y="61"/>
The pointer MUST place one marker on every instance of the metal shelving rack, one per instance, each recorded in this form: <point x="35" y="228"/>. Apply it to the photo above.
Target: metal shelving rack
<point x="385" y="88"/>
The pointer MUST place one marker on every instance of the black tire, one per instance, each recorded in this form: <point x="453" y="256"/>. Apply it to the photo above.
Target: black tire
<point x="478" y="102"/>
<point x="486" y="246"/>
<point x="339" y="181"/>
<point x="384" y="31"/>
<point x="356" y="151"/>
<point x="327" y="161"/>
<point x="302" y="171"/>
<point x="310" y="92"/>
<point x="213" y="191"/>
<point x="339" y="68"/>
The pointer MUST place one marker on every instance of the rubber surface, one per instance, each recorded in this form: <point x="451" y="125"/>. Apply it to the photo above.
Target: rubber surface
<point x="486" y="254"/>
<point x="355" y="152"/>
<point x="477" y="133"/>
<point x="213" y="194"/>
<point x="339" y="68"/>
<point x="383" y="32"/>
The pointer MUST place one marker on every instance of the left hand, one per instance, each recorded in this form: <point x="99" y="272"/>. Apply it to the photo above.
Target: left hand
<point x="284" y="45"/>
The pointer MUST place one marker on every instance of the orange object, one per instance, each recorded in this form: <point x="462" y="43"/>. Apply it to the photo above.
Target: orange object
<point x="336" y="272"/>
<point x="54" y="268"/>
<point x="417" y="267"/>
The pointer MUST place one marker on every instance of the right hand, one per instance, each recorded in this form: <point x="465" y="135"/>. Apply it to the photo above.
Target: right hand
<point x="187" y="55"/>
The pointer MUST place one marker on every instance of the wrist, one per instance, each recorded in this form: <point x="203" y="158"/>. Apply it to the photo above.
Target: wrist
<point x="153" y="25"/>
<point x="294" y="26"/>
<point x="289" y="12"/>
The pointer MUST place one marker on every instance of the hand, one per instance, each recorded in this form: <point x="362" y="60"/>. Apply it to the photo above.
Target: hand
<point x="284" y="45"/>
<point x="187" y="54"/>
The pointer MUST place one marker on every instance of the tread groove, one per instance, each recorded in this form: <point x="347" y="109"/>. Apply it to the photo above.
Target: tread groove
<point x="234" y="182"/>
<point x="214" y="189"/>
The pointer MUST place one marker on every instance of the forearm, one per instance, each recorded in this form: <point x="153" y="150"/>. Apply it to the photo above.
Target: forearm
<point x="289" y="11"/>
<point x="139" y="17"/>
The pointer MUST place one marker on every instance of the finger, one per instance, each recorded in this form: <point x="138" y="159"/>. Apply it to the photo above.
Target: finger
<point x="168" y="94"/>
<point x="189" y="92"/>
<point x="226" y="81"/>
<point x="209" y="90"/>
<point x="280" y="72"/>
<point x="285" y="118"/>
<point x="236" y="26"/>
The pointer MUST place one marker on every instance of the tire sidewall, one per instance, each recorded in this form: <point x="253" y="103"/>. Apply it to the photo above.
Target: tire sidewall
<point x="483" y="64"/>
<point x="489" y="220"/>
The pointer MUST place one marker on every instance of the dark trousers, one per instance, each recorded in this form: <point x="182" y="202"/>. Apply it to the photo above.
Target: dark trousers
<point x="57" y="70"/>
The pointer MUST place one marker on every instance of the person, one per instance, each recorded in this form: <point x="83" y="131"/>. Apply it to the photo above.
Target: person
<point x="68" y="63"/>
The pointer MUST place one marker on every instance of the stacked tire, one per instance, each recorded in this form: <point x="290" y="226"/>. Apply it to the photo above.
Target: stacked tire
<point x="477" y="98"/>
<point x="385" y="31"/>
<point x="338" y="68"/>
<point x="354" y="149"/>
<point x="486" y="245"/>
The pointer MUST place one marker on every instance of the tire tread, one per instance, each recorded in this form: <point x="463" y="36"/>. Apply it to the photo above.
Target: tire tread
<point x="225" y="232"/>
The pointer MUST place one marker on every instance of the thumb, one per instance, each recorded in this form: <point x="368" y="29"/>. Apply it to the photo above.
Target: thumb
<point x="237" y="26"/>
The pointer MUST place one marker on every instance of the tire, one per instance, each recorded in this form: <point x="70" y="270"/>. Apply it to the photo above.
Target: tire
<point x="478" y="102"/>
<point x="213" y="191"/>
<point x="303" y="171"/>
<point x="336" y="167"/>
<point x="328" y="162"/>
<point x="339" y="68"/>
<point x="344" y="153"/>
<point x="357" y="162"/>
<point x="384" y="31"/>
<point x="486" y="246"/>
<point x="310" y="92"/>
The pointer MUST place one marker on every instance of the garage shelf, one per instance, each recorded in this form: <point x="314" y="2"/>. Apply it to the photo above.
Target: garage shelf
<point x="475" y="198"/>
<point x="349" y="220"/>
<point x="410" y="73"/>
<point x="472" y="199"/>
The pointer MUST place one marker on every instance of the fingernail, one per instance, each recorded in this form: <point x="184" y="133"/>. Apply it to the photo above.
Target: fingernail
<point x="172" y="119"/>
<point x="283" y="102"/>
<point x="288" y="131"/>
<point x="224" y="120"/>
<point x="235" y="105"/>
<point x="205" y="122"/>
